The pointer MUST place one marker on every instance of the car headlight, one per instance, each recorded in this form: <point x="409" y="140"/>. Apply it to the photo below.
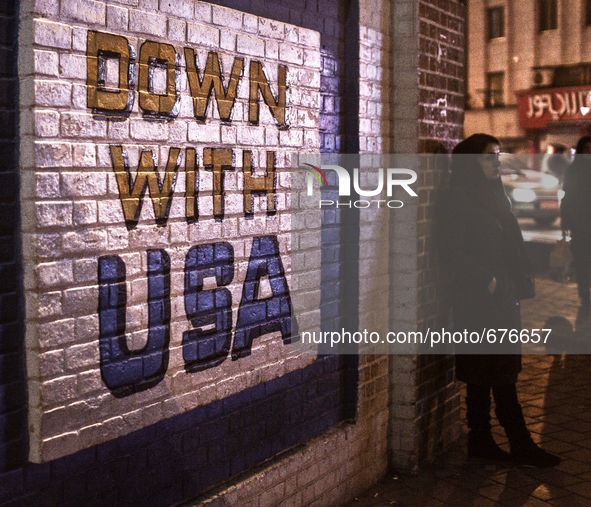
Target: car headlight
<point x="524" y="195"/>
<point x="560" y="194"/>
<point x="549" y="181"/>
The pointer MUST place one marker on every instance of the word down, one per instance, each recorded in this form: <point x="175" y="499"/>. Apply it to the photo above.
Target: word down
<point x="115" y="97"/>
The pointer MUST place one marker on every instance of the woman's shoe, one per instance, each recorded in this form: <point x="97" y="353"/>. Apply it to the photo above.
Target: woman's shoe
<point x="524" y="451"/>
<point x="482" y="445"/>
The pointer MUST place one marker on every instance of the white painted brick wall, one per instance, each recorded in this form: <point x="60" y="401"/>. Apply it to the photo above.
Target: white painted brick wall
<point x="72" y="213"/>
<point x="52" y="35"/>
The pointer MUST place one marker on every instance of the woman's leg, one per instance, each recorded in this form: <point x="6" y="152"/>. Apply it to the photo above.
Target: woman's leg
<point x="481" y="443"/>
<point x="523" y="449"/>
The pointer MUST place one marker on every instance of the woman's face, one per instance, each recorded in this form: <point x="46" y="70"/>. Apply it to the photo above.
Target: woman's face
<point x="489" y="161"/>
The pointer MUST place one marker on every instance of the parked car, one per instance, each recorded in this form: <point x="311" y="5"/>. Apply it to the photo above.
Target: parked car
<point x="533" y="194"/>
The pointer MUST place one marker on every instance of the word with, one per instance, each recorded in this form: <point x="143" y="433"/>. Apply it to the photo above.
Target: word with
<point x="218" y="161"/>
<point x="208" y="344"/>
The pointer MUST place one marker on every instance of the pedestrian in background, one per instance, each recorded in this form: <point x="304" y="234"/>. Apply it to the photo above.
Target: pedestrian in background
<point x="481" y="244"/>
<point x="558" y="163"/>
<point x="575" y="217"/>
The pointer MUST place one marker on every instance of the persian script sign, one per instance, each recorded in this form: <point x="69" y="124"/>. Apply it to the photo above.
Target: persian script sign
<point x="537" y="108"/>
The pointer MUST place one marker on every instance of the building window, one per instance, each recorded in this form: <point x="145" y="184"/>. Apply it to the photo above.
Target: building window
<point x="548" y="13"/>
<point x="494" y="89"/>
<point x="496" y="22"/>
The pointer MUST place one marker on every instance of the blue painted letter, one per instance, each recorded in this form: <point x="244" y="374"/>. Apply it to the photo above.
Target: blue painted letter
<point x="256" y="316"/>
<point x="127" y="371"/>
<point x="210" y="311"/>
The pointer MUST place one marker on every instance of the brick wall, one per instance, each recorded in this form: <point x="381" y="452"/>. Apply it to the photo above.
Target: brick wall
<point x="176" y="459"/>
<point x="424" y="399"/>
<point x="441" y="73"/>
<point x="185" y="454"/>
<point x="375" y="133"/>
<point x="78" y="209"/>
<point x="256" y="415"/>
<point x="442" y="32"/>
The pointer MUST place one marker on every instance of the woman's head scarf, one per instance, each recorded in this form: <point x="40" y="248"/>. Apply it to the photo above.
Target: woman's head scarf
<point x="582" y="143"/>
<point x="467" y="172"/>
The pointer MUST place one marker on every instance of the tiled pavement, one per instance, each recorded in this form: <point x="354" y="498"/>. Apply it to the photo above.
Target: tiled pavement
<point x="555" y="391"/>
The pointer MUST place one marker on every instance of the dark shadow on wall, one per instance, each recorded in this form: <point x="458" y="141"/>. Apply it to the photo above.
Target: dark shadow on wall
<point x="436" y="400"/>
<point x="13" y="386"/>
<point x="185" y="455"/>
<point x="349" y="293"/>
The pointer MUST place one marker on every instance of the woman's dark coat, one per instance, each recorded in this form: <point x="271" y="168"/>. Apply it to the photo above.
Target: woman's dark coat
<point x="480" y="239"/>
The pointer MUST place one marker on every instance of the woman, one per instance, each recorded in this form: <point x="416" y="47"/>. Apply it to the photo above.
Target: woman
<point x="482" y="245"/>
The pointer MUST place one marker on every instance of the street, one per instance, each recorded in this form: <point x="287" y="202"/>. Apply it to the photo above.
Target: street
<point x="532" y="232"/>
<point x="557" y="405"/>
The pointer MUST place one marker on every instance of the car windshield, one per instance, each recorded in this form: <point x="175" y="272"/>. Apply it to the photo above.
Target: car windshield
<point x="512" y="164"/>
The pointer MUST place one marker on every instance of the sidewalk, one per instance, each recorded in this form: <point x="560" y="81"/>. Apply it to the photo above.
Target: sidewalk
<point x="555" y="391"/>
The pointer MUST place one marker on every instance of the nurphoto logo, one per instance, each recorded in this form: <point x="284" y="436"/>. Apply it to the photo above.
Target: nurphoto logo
<point x="390" y="178"/>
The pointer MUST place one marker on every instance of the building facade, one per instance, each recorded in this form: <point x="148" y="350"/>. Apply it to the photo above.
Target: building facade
<point x="145" y="161"/>
<point x="528" y="72"/>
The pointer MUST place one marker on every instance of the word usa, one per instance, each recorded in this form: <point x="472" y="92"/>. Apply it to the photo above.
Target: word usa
<point x="208" y="344"/>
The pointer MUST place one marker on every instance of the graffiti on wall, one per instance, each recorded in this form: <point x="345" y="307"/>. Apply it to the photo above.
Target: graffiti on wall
<point x="207" y="345"/>
<point x="158" y="270"/>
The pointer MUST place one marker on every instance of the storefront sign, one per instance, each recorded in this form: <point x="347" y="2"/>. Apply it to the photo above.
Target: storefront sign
<point x="537" y="108"/>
